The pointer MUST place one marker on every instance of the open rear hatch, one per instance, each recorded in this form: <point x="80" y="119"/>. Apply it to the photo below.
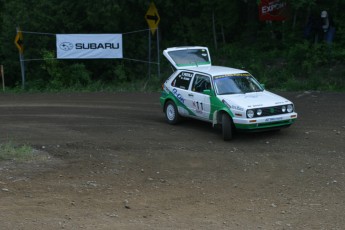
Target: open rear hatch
<point x="187" y="57"/>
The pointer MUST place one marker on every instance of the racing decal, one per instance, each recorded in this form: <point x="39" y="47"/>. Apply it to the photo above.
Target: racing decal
<point x="187" y="75"/>
<point x="274" y="119"/>
<point x="254" y="106"/>
<point x="281" y="102"/>
<point x="179" y="100"/>
<point x="182" y="80"/>
<point x="199" y="107"/>
<point x="233" y="74"/>
<point x="234" y="107"/>
<point x="217" y="105"/>
<point x="177" y="95"/>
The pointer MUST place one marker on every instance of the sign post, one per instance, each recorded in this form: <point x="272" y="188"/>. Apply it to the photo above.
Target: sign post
<point x="153" y="19"/>
<point x="2" y="77"/>
<point x="158" y="59"/>
<point x="19" y="42"/>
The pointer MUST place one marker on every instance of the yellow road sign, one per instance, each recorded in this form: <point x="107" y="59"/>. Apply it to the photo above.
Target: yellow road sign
<point x="152" y="18"/>
<point x="19" y="41"/>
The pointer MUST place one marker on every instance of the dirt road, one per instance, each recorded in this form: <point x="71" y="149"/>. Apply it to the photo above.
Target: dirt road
<point x="110" y="161"/>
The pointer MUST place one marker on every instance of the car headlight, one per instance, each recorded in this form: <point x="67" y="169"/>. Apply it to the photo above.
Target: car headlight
<point x="283" y="108"/>
<point x="289" y="108"/>
<point x="259" y="112"/>
<point x="250" y="113"/>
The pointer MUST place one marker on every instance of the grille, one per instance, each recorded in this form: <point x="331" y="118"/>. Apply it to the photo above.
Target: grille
<point x="270" y="111"/>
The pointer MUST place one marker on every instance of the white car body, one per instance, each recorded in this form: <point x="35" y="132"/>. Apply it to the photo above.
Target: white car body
<point x="220" y="95"/>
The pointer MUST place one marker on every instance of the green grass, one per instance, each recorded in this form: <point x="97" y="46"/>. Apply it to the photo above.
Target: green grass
<point x="10" y="151"/>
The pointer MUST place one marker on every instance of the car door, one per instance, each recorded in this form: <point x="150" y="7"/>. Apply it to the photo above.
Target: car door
<point x="181" y="88"/>
<point x="191" y="57"/>
<point x="199" y="102"/>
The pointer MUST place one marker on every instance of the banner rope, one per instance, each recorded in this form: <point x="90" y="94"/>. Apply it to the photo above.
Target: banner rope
<point x="51" y="34"/>
<point x="30" y="32"/>
<point x="130" y="59"/>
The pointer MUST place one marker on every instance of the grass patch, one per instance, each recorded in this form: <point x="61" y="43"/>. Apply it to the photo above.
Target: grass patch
<point x="10" y="151"/>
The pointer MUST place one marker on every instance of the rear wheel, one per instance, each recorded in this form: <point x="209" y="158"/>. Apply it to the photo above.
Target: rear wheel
<point x="171" y="113"/>
<point x="227" y="127"/>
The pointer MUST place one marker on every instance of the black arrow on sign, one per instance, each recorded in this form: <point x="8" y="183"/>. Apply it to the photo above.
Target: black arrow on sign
<point x="20" y="42"/>
<point x="152" y="17"/>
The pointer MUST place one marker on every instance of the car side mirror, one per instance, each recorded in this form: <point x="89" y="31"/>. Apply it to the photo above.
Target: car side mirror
<point x="263" y="86"/>
<point x="208" y="92"/>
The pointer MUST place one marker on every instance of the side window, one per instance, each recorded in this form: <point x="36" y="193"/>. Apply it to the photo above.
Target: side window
<point x="200" y="83"/>
<point x="182" y="80"/>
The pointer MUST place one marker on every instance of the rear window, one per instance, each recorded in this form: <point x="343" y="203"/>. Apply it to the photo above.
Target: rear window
<point x="182" y="80"/>
<point x="188" y="57"/>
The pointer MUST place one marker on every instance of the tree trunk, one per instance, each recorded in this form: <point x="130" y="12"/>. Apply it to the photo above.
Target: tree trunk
<point x="214" y="31"/>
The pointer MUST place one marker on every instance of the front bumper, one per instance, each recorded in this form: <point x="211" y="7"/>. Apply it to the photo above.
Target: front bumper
<point x="257" y="123"/>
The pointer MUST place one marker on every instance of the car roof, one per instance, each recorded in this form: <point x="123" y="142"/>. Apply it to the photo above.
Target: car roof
<point x="214" y="70"/>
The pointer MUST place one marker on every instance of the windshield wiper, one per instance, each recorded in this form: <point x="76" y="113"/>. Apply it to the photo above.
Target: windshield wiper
<point x="254" y="91"/>
<point x="230" y="93"/>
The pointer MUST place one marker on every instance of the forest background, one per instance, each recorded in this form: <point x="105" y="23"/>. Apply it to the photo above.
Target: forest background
<point x="279" y="53"/>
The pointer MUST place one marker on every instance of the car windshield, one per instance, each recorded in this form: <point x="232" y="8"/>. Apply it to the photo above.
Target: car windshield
<point x="236" y="84"/>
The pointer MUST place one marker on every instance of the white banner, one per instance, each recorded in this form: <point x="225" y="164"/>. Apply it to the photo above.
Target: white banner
<point x="88" y="46"/>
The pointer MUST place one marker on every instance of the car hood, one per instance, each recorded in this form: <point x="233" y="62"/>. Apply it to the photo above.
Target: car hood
<point x="254" y="100"/>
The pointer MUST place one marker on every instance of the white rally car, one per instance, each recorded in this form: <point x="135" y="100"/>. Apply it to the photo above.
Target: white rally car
<point x="226" y="97"/>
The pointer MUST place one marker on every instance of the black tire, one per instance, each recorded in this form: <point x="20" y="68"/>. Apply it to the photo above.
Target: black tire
<point x="171" y="113"/>
<point x="227" y="127"/>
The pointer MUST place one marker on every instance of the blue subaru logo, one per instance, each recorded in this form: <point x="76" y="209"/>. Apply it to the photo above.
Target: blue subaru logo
<point x="66" y="46"/>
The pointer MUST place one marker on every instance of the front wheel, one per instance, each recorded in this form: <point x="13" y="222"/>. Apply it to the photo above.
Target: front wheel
<point x="171" y="113"/>
<point x="227" y="127"/>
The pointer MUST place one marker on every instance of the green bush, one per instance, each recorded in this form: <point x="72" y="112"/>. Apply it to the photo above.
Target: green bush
<point x="61" y="75"/>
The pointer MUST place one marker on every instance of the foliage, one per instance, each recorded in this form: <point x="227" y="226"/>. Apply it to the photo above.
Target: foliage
<point x="298" y="4"/>
<point x="60" y="75"/>
<point x="231" y="30"/>
<point x="302" y="66"/>
<point x="9" y="151"/>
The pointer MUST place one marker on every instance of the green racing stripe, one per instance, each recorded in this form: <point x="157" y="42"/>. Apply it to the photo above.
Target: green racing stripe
<point x="218" y="105"/>
<point x="169" y="95"/>
<point x="266" y="125"/>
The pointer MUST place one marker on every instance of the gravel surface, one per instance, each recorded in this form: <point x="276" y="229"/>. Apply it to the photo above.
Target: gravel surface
<point x="110" y="161"/>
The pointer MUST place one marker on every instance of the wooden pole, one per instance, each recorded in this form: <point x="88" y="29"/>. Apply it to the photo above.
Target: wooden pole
<point x="214" y="31"/>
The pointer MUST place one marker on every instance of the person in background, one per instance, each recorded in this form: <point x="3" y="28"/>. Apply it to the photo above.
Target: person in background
<point x="327" y="27"/>
<point x="320" y="28"/>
